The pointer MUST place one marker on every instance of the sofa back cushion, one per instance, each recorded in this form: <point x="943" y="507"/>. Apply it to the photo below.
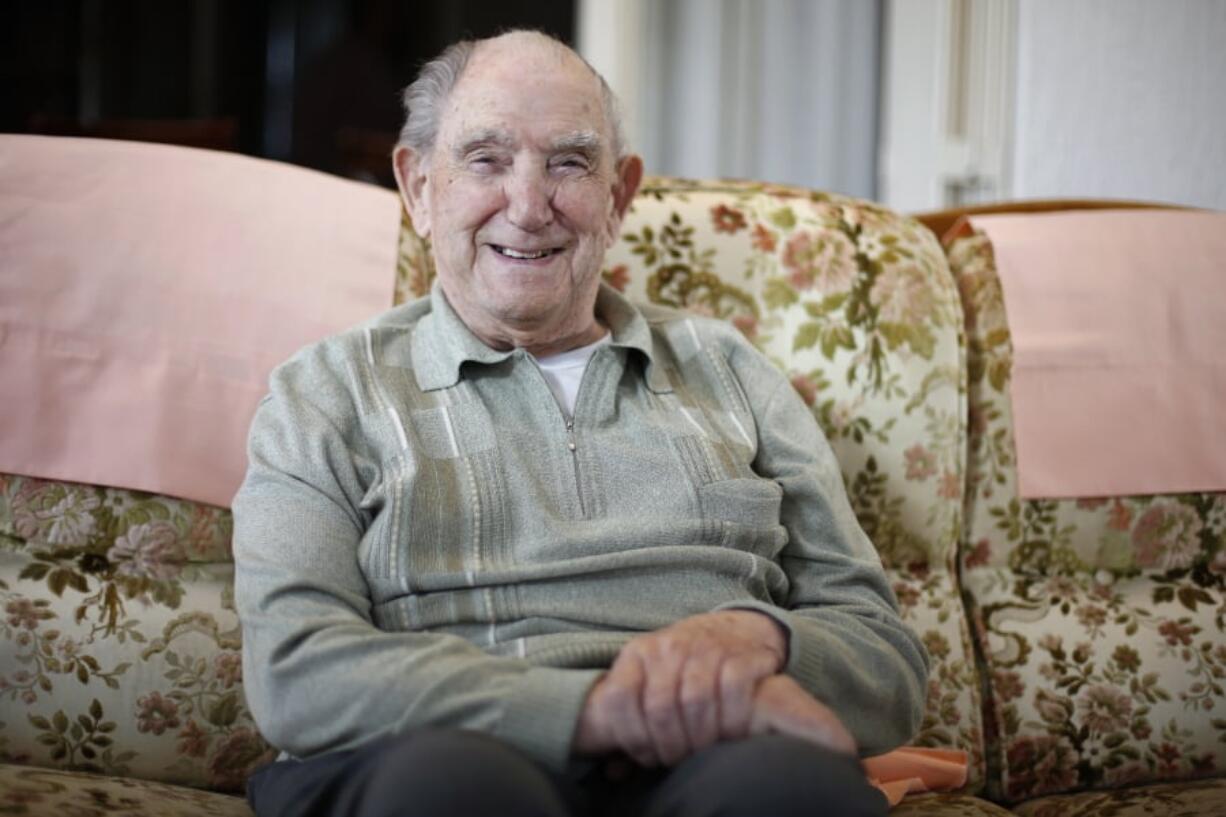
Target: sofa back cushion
<point x="119" y="644"/>
<point x="1101" y="619"/>
<point x="856" y="304"/>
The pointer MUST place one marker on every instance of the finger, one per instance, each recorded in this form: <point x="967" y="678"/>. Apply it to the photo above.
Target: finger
<point x="821" y="729"/>
<point x="593" y="735"/>
<point x="825" y="729"/>
<point x="661" y="705"/>
<point x="699" y="697"/>
<point x="738" y="683"/>
<point x="782" y="705"/>
<point x="623" y="693"/>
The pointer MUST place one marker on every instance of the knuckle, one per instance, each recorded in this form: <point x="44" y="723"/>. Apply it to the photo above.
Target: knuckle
<point x="657" y="710"/>
<point x="660" y="718"/>
<point x="734" y="676"/>
<point x="693" y="698"/>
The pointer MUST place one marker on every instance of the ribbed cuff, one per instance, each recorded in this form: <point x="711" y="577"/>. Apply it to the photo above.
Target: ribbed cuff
<point x="803" y="664"/>
<point x="543" y="711"/>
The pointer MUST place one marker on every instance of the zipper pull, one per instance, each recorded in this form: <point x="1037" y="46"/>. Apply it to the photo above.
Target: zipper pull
<point x="570" y="434"/>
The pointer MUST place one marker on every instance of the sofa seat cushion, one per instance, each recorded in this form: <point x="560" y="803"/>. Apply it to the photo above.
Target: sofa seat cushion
<point x="1102" y="684"/>
<point x="947" y="805"/>
<point x="1198" y="798"/>
<point x="29" y="790"/>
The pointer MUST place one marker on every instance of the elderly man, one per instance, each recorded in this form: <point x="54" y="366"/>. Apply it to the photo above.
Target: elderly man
<point x="522" y="548"/>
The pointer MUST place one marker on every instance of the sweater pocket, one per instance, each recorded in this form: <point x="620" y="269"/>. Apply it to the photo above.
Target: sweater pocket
<point x="748" y="512"/>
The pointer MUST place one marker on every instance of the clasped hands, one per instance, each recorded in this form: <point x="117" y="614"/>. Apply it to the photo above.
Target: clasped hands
<point x="710" y="677"/>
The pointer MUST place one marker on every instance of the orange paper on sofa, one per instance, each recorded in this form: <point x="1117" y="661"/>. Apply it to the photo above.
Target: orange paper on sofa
<point x="915" y="770"/>
<point x="1118" y="321"/>
<point x="146" y="291"/>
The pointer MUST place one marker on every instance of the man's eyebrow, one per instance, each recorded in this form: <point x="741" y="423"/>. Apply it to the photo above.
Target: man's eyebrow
<point x="582" y="141"/>
<point x="486" y="137"/>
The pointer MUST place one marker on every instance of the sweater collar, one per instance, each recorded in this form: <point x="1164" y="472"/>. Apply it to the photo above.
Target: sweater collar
<point x="442" y="342"/>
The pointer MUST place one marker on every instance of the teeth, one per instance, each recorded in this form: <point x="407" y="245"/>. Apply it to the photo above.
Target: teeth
<point x="523" y="256"/>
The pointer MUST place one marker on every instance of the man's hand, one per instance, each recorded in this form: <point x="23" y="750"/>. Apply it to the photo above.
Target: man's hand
<point x="779" y="706"/>
<point x="782" y="706"/>
<point x="677" y="690"/>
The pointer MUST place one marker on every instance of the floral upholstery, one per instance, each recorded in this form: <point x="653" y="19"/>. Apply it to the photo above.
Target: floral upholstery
<point x="35" y="791"/>
<point x="1101" y="620"/>
<point x="1201" y="798"/>
<point x="947" y="805"/>
<point x="856" y="304"/>
<point x="119" y="644"/>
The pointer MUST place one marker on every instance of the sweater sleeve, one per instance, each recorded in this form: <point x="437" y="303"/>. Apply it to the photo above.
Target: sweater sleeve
<point x="847" y="644"/>
<point x="319" y="674"/>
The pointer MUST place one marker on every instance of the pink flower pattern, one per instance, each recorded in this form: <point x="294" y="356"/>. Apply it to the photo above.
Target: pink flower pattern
<point x="903" y="298"/>
<point x="156" y="714"/>
<point x="151" y="550"/>
<point x="825" y="261"/>
<point x="920" y="462"/>
<point x="1167" y="536"/>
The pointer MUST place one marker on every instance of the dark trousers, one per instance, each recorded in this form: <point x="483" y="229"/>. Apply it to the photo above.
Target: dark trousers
<point x="463" y="774"/>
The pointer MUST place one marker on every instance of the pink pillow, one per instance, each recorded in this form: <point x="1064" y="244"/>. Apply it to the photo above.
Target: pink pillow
<point x="146" y="291"/>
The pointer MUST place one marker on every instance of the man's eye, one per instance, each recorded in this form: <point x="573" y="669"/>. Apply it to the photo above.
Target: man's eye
<point x="572" y="163"/>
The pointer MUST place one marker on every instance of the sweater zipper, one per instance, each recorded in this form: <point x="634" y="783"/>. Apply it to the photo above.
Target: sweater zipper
<point x="574" y="458"/>
<point x="571" y="444"/>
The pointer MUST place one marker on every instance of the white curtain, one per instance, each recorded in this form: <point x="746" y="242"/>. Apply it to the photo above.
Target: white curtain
<point x="778" y="90"/>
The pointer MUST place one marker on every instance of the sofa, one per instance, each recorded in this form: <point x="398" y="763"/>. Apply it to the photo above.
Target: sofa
<point x="1074" y="687"/>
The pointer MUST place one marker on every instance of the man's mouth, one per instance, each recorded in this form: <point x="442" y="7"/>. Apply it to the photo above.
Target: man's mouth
<point x="524" y="255"/>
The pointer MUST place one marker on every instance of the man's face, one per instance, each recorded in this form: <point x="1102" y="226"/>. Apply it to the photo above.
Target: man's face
<point x="521" y="195"/>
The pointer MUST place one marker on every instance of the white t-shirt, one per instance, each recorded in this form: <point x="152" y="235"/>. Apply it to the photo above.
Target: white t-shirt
<point x="564" y="370"/>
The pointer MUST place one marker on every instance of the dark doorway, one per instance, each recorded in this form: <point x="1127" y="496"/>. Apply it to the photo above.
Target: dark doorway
<point x="314" y="82"/>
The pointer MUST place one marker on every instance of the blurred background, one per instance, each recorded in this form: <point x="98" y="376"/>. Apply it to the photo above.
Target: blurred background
<point x="918" y="104"/>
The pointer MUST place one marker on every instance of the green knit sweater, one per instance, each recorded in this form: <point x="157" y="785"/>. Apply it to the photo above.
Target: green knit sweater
<point x="424" y="538"/>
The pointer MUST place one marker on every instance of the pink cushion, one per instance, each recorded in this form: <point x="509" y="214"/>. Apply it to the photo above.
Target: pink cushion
<point x="146" y="291"/>
<point x="1118" y="321"/>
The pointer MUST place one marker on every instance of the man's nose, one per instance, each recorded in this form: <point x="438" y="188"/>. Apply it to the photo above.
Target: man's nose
<point x="529" y="200"/>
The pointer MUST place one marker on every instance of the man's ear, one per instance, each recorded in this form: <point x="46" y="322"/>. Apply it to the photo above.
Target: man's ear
<point x="629" y="175"/>
<point x="410" y="169"/>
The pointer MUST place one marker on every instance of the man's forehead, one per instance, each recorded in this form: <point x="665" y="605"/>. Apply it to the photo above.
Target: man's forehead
<point x="526" y="56"/>
<point x="557" y="94"/>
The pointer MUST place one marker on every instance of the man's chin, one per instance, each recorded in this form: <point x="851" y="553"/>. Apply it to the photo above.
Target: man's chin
<point x="528" y="290"/>
<point x="526" y="317"/>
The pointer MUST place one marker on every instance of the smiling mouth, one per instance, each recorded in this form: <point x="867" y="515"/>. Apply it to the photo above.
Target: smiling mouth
<point x="524" y="255"/>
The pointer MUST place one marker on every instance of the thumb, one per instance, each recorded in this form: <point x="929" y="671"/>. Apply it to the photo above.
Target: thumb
<point x="781" y="706"/>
